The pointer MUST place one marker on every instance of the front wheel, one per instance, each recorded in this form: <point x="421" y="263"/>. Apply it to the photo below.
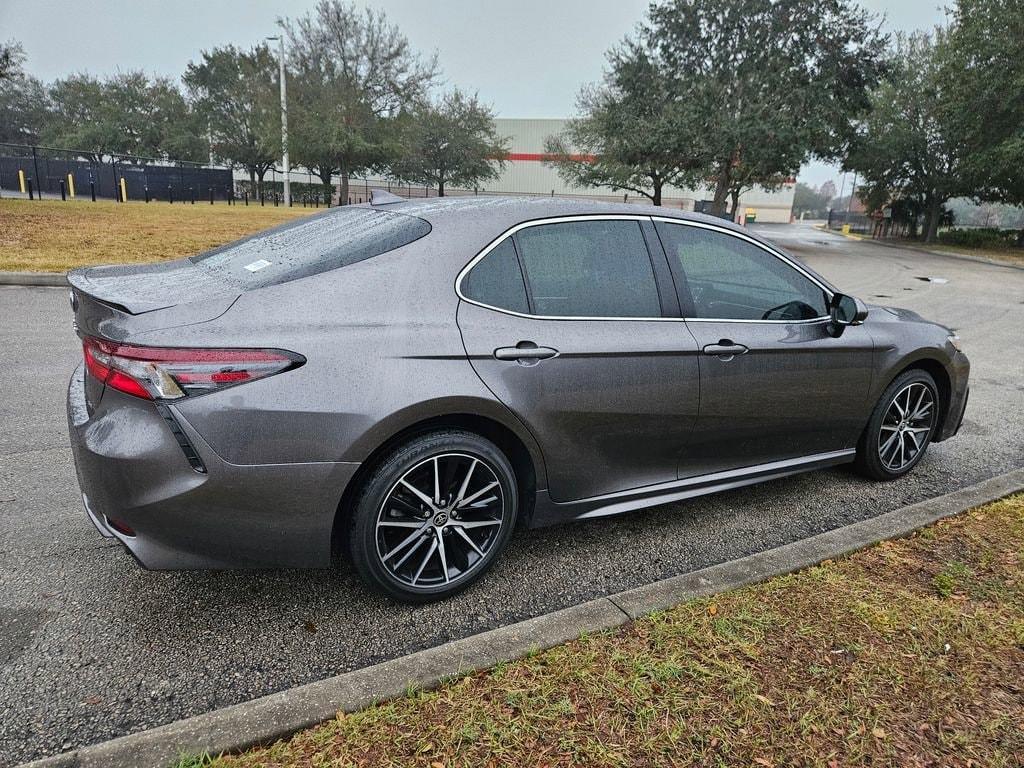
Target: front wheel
<point x="900" y="428"/>
<point x="434" y="516"/>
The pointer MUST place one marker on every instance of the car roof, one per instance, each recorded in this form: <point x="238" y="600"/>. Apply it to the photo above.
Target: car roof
<point x="512" y="210"/>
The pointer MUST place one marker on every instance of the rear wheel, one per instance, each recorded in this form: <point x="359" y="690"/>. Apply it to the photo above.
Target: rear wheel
<point x="434" y="516"/>
<point x="900" y="428"/>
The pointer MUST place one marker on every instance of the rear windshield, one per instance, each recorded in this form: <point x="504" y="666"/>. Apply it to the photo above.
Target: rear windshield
<point x="332" y="239"/>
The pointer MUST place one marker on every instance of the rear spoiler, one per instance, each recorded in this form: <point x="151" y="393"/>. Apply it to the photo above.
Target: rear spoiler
<point x="382" y="197"/>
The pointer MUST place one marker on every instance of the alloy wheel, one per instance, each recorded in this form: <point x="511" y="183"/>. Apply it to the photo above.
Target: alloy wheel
<point x="906" y="426"/>
<point x="440" y="520"/>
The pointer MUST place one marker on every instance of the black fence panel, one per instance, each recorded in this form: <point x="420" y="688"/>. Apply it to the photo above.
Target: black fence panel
<point x="860" y="223"/>
<point x="144" y="178"/>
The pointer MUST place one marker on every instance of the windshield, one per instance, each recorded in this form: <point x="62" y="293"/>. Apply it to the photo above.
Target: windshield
<point x="332" y="239"/>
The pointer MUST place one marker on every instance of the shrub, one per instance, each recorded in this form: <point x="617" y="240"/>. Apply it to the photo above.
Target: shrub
<point x="979" y="237"/>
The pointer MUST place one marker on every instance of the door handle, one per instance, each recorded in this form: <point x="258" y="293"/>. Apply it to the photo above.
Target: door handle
<point x="525" y="350"/>
<point x="725" y="349"/>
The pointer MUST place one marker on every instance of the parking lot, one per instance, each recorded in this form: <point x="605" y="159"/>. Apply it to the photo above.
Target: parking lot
<point x="93" y="647"/>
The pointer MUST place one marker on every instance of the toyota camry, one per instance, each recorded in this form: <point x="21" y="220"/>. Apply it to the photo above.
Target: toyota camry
<point x="402" y="384"/>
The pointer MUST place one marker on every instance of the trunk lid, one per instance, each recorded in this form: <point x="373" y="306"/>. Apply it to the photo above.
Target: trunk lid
<point x="122" y="301"/>
<point x="140" y="288"/>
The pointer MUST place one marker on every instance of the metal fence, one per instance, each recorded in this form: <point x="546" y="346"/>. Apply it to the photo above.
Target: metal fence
<point x="859" y="223"/>
<point x="52" y="172"/>
<point x="879" y="226"/>
<point x="36" y="171"/>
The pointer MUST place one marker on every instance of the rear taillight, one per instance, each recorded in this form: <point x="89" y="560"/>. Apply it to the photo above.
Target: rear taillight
<point x="168" y="373"/>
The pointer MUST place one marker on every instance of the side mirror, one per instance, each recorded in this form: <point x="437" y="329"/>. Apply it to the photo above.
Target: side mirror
<point x="845" y="310"/>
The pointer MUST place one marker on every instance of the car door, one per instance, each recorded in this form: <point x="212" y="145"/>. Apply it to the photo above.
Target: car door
<point x="565" y="321"/>
<point x="775" y="384"/>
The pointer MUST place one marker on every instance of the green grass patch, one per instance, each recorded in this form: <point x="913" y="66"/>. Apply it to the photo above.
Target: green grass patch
<point x="908" y="653"/>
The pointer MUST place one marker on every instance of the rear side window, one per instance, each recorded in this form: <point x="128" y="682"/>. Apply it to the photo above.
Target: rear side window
<point x="496" y="280"/>
<point x="319" y="243"/>
<point x="597" y="268"/>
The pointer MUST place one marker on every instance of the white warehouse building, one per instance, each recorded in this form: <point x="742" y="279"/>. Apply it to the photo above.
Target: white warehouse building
<point x="526" y="174"/>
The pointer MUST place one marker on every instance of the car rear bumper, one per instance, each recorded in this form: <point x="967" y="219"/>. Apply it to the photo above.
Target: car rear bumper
<point x="140" y="485"/>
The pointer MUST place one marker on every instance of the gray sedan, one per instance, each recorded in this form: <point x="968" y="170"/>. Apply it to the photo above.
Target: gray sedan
<point x="403" y="383"/>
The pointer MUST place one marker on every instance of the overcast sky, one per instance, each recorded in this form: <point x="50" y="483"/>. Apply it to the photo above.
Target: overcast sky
<point x="527" y="58"/>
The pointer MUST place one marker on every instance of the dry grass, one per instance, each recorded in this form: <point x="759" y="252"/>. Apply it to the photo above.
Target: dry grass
<point x="54" y="236"/>
<point x="910" y="653"/>
<point x="1004" y="255"/>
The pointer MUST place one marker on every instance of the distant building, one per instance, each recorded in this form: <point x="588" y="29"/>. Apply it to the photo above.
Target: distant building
<point x="526" y="173"/>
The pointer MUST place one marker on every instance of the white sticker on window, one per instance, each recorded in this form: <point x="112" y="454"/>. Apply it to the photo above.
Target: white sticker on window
<point x="256" y="266"/>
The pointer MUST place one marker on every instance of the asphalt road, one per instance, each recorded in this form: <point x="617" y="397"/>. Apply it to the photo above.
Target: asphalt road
<point x="92" y="647"/>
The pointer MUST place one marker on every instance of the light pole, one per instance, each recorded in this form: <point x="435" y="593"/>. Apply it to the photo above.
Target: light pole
<point x="284" y="122"/>
<point x="853" y="191"/>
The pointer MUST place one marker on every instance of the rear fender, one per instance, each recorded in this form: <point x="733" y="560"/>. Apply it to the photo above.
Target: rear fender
<point x="462" y="407"/>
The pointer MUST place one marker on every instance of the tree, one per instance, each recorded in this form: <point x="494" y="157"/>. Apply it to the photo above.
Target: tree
<point x="23" y="99"/>
<point x="983" y="73"/>
<point x="758" y="167"/>
<point x="235" y="93"/>
<point x="766" y="83"/>
<point x="127" y="114"/>
<point x="83" y="117"/>
<point x="827" y="190"/>
<point x="451" y="142"/>
<point x="908" y="146"/>
<point x="12" y="57"/>
<point x="632" y="135"/>
<point x="808" y="200"/>
<point x="353" y="74"/>
<point x="165" y="125"/>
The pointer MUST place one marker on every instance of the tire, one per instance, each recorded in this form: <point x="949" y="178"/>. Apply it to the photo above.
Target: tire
<point x="891" y="445"/>
<point x="417" y="545"/>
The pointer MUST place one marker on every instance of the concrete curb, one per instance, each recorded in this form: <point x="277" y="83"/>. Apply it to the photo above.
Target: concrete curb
<point x="59" y="279"/>
<point x="281" y="714"/>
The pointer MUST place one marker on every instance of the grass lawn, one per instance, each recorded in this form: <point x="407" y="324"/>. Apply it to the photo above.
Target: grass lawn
<point x="54" y="236"/>
<point x="909" y="653"/>
<point x="1007" y="255"/>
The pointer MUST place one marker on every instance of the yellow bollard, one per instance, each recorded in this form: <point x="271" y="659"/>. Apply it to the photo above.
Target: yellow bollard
<point x="71" y="184"/>
<point x="846" y="229"/>
<point x="124" y="191"/>
<point x="21" y="180"/>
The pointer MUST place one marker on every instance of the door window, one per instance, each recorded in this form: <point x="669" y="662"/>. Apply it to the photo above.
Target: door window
<point x="733" y="279"/>
<point x="596" y="268"/>
<point x="496" y="280"/>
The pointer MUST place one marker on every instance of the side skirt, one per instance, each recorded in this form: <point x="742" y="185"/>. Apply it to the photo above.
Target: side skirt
<point x="548" y="512"/>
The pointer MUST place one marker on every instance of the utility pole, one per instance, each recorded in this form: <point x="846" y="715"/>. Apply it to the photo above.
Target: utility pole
<point x="209" y="139"/>
<point x="284" y="121"/>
